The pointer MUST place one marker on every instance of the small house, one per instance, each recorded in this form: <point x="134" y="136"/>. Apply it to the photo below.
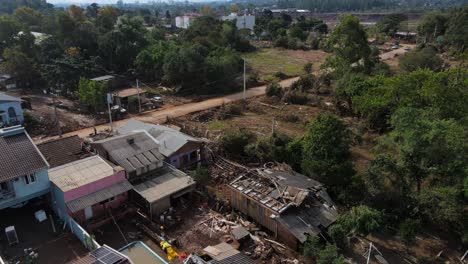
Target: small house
<point x="156" y="184"/>
<point x="122" y="97"/>
<point x="88" y="188"/>
<point x="289" y="204"/>
<point x="185" y="21"/>
<point x="179" y="149"/>
<point x="7" y="81"/>
<point x="23" y="169"/>
<point x="242" y="22"/>
<point x="61" y="151"/>
<point x="11" y="112"/>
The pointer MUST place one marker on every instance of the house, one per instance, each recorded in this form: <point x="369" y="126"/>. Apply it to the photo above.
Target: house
<point x="185" y="21"/>
<point x="156" y="184"/>
<point x="179" y="149"/>
<point x="88" y="188"/>
<point x="289" y="204"/>
<point x="122" y="97"/>
<point x="242" y="22"/>
<point x="222" y="253"/>
<point x="23" y="173"/>
<point x="11" y="112"/>
<point x="61" y="151"/>
<point x="104" y="255"/>
<point x="7" y="81"/>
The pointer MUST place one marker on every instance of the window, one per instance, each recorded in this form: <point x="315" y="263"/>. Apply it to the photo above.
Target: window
<point x="107" y="201"/>
<point x="30" y="178"/>
<point x="12" y="114"/>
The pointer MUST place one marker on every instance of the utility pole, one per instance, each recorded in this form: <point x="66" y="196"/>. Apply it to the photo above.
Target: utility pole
<point x="56" y="121"/>
<point x="139" y="100"/>
<point x="244" y="79"/>
<point x="109" y="100"/>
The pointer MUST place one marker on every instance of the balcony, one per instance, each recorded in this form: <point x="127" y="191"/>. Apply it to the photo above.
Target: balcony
<point x="6" y="194"/>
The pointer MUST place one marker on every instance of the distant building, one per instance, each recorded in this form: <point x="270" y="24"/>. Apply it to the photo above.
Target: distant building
<point x="88" y="188"/>
<point x="185" y="21"/>
<point x="11" y="112"/>
<point x="23" y="169"/>
<point x="289" y="204"/>
<point x="179" y="149"/>
<point x="7" y="81"/>
<point x="242" y="22"/>
<point x="156" y="184"/>
<point x="222" y="253"/>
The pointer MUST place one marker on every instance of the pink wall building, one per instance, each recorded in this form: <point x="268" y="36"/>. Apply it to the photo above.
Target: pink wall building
<point x="88" y="188"/>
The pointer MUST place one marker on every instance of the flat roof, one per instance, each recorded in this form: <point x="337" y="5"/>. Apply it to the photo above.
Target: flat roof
<point x="78" y="173"/>
<point x="129" y="92"/>
<point x="170" y="181"/>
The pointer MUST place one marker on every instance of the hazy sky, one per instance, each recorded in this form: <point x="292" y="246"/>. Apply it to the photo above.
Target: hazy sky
<point x="113" y="1"/>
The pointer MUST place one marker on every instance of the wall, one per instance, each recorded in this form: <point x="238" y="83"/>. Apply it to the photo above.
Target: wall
<point x="58" y="203"/>
<point x="87" y="240"/>
<point x="17" y="106"/>
<point x="27" y="190"/>
<point x="101" y="209"/>
<point x="94" y="186"/>
<point x="177" y="158"/>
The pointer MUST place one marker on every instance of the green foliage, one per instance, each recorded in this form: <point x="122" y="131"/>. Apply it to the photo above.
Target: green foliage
<point x="149" y="62"/>
<point x="28" y="17"/>
<point x="390" y="24"/>
<point x="330" y="255"/>
<point x="327" y="154"/>
<point x="271" y="148"/>
<point x="19" y="65"/>
<point x="295" y="97"/>
<point x="408" y="230"/>
<point x="202" y="176"/>
<point x="425" y="58"/>
<point x="92" y="94"/>
<point x="308" y="67"/>
<point x="234" y="143"/>
<point x="312" y="246"/>
<point x="304" y="83"/>
<point x="30" y="122"/>
<point x="361" y="220"/>
<point x="274" y="89"/>
<point x="457" y="32"/>
<point x="433" y="24"/>
<point x="10" y="28"/>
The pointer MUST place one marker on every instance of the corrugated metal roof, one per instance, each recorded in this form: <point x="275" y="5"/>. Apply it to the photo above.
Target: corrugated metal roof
<point x="129" y="92"/>
<point x="169" y="182"/>
<point x="18" y="154"/>
<point x="99" y="196"/>
<point x="103" y="78"/>
<point x="170" y="140"/>
<point x="132" y="151"/>
<point x="224" y="253"/>
<point x="78" y="173"/>
<point x="62" y="151"/>
<point x="7" y="98"/>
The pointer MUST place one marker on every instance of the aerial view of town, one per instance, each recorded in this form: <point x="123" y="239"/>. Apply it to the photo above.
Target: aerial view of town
<point x="233" y="131"/>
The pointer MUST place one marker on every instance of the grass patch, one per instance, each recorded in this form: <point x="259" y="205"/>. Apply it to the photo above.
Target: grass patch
<point x="268" y="61"/>
<point x="216" y="125"/>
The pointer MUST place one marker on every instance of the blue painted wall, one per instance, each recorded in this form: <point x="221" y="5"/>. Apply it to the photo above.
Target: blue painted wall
<point x="16" y="105"/>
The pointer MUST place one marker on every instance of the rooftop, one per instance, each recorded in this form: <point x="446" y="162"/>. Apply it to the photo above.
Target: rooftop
<point x="170" y="140"/>
<point x="103" y="78"/>
<point x="62" y="151"/>
<point x="128" y="92"/>
<point x="7" y="98"/>
<point x="169" y="182"/>
<point x="132" y="151"/>
<point x="78" y="173"/>
<point x="103" y="255"/>
<point x="18" y="156"/>
<point x="224" y="253"/>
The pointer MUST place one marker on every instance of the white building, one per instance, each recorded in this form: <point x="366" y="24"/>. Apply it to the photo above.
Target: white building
<point x="242" y="22"/>
<point x="185" y="21"/>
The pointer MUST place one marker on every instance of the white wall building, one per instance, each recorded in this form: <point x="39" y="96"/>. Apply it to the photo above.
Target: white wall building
<point x="242" y="22"/>
<point x="184" y="21"/>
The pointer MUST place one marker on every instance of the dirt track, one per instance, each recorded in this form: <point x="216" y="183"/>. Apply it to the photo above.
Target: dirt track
<point x="159" y="117"/>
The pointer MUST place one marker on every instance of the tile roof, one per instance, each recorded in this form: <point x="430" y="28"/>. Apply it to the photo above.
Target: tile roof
<point x="18" y="154"/>
<point x="8" y="98"/>
<point x="169" y="181"/>
<point x="81" y="172"/>
<point x="62" y="151"/>
<point x="132" y="151"/>
<point x="170" y="140"/>
<point x="223" y="253"/>
<point x="99" y="196"/>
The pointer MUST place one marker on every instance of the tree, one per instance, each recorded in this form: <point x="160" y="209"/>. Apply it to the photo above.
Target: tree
<point x="106" y="18"/>
<point x="390" y="24"/>
<point x="349" y="43"/>
<point x="10" y="28"/>
<point x="425" y="58"/>
<point x="201" y="176"/>
<point x="77" y="13"/>
<point x="272" y="148"/>
<point x="19" y="65"/>
<point x="330" y="255"/>
<point x="433" y="24"/>
<point x="234" y="143"/>
<point x="207" y="11"/>
<point x="457" y="33"/>
<point x="408" y="230"/>
<point x="92" y="94"/>
<point x="361" y="220"/>
<point x="149" y="62"/>
<point x="308" y="67"/>
<point x="274" y="89"/>
<point x="92" y="10"/>
<point x="327" y="154"/>
<point x="28" y="16"/>
<point x="234" y="8"/>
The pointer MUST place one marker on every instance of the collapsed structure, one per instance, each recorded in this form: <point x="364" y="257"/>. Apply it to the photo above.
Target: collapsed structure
<point x="287" y="203"/>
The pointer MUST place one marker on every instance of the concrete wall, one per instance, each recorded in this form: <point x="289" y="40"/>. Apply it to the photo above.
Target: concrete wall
<point x="94" y="186"/>
<point x="176" y="159"/>
<point x="101" y="209"/>
<point x="18" y="110"/>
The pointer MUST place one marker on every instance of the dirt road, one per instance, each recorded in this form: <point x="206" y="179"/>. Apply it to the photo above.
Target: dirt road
<point x="159" y="117"/>
<point x="397" y="52"/>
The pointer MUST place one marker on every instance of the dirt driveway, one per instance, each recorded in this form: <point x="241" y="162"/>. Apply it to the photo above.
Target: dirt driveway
<point x="159" y="117"/>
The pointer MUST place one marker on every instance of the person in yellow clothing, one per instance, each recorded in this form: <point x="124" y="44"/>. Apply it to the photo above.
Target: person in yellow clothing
<point x="171" y="253"/>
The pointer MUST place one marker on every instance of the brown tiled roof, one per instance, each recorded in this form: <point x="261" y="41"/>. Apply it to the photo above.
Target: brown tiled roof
<point x="18" y="156"/>
<point x="62" y="151"/>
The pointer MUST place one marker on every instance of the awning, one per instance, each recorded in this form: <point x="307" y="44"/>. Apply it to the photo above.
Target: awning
<point x="99" y="196"/>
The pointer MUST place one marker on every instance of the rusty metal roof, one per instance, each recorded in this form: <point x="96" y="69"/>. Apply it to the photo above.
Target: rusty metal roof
<point x="62" y="151"/>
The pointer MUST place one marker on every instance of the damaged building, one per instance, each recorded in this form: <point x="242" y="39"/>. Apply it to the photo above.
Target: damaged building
<point x="156" y="184"/>
<point x="289" y="204"/>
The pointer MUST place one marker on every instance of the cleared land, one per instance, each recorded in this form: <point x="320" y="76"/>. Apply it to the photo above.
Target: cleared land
<point x="268" y="61"/>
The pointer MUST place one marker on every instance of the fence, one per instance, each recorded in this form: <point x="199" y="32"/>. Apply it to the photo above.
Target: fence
<point x="85" y="238"/>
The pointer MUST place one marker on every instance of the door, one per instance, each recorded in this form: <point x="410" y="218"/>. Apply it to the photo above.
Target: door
<point x="88" y="211"/>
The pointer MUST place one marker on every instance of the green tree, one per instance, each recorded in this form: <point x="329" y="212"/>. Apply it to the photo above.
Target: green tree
<point x="408" y="230"/>
<point x="426" y="58"/>
<point x="327" y="154"/>
<point x="149" y="62"/>
<point x="271" y="148"/>
<point x="308" y="67"/>
<point x="9" y="30"/>
<point x="274" y="89"/>
<point x="202" y="176"/>
<point x="92" y="94"/>
<point x="330" y="255"/>
<point x="349" y="43"/>
<point x="457" y="32"/>
<point x="361" y="220"/>
<point x="234" y="143"/>
<point x="28" y="17"/>
<point x="106" y="18"/>
<point x="433" y="24"/>
<point x="390" y="24"/>
<point x="19" y="65"/>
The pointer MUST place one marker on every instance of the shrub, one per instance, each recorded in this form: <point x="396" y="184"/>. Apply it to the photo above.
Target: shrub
<point x="304" y="83"/>
<point x="330" y="255"/>
<point x="408" y="230"/>
<point x="426" y="58"/>
<point x="295" y="97"/>
<point x="230" y="110"/>
<point x="289" y="117"/>
<point x="30" y="122"/>
<point x="312" y="246"/>
<point x="234" y="142"/>
<point x="202" y="176"/>
<point x="280" y="75"/>
<point x="253" y="79"/>
<point x="274" y="89"/>
<point x="308" y="67"/>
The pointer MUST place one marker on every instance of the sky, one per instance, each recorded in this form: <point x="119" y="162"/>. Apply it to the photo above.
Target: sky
<point x="111" y="1"/>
